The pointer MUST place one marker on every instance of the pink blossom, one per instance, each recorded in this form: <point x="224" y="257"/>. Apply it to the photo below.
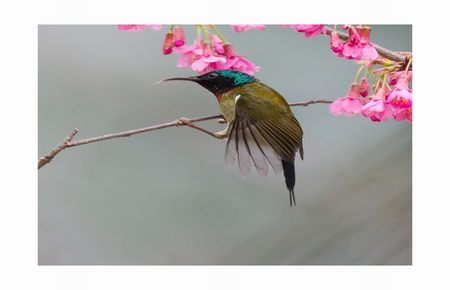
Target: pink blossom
<point x="243" y="28"/>
<point x="377" y="108"/>
<point x="405" y="114"/>
<point x="358" y="46"/>
<point x="214" y="55"/>
<point x="238" y="62"/>
<point x="351" y="48"/>
<point x="400" y="99"/>
<point x="401" y="95"/>
<point x="189" y="53"/>
<point x="364" y="87"/>
<point x="199" y="57"/>
<point x="393" y="77"/>
<point x="310" y="30"/>
<point x="234" y="61"/>
<point x="368" y="51"/>
<point x="349" y="104"/>
<point x="138" y="27"/>
<point x="336" y="44"/>
<point x="207" y="63"/>
<point x="179" y="38"/>
<point x="217" y="44"/>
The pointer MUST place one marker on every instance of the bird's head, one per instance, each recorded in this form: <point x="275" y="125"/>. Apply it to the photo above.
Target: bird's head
<point x="219" y="81"/>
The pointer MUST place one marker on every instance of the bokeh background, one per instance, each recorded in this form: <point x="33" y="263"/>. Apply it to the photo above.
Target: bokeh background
<point x="166" y="197"/>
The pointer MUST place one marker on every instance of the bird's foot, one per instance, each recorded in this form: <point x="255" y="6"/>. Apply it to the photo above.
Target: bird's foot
<point x="221" y="121"/>
<point x="221" y="134"/>
<point x="187" y="122"/>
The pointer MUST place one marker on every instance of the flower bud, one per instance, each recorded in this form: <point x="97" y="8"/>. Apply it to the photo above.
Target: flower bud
<point x="168" y="43"/>
<point x="179" y="38"/>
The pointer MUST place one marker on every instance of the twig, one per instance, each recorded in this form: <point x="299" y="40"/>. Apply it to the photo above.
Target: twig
<point x="61" y="146"/>
<point x="310" y="103"/>
<point x="387" y="53"/>
<point x="140" y="130"/>
<point x="67" y="142"/>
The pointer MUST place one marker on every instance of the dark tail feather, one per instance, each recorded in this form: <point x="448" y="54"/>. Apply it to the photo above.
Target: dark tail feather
<point x="289" y="176"/>
<point x="300" y="149"/>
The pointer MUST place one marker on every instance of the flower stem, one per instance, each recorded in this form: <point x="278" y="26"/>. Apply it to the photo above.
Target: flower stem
<point x="371" y="74"/>
<point x="385" y="82"/>
<point x="205" y="32"/>
<point x="199" y="32"/>
<point x="358" y="73"/>
<point x="408" y="65"/>
<point x="375" y="89"/>
<point x="372" y="78"/>
<point x="216" y="30"/>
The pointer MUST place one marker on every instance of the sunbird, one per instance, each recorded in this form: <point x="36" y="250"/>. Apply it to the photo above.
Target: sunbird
<point x="261" y="126"/>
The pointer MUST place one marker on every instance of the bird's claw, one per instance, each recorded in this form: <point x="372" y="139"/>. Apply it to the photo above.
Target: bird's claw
<point x="221" y="121"/>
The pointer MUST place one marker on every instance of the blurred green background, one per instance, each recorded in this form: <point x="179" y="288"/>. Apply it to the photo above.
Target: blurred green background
<point x="166" y="197"/>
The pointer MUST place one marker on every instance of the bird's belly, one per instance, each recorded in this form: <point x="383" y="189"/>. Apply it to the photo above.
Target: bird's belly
<point x="227" y="106"/>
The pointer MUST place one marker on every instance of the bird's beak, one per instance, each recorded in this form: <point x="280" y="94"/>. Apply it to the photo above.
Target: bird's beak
<point x="192" y="79"/>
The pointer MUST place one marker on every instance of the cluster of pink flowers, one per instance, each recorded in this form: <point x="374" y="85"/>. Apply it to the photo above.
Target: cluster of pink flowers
<point x="204" y="56"/>
<point x="384" y="104"/>
<point x="210" y="51"/>
<point x="357" y="46"/>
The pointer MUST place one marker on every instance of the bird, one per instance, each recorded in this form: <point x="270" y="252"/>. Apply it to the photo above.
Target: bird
<point x="261" y="128"/>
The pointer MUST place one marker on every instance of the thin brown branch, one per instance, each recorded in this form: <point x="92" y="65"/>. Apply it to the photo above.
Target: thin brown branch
<point x="384" y="52"/>
<point x="304" y="104"/>
<point x="174" y="123"/>
<point x="67" y="142"/>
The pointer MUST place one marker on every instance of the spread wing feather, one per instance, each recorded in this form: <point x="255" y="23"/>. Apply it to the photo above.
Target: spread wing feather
<point x="258" y="136"/>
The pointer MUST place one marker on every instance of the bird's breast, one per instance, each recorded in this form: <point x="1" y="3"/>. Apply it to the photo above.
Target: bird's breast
<point x="227" y="104"/>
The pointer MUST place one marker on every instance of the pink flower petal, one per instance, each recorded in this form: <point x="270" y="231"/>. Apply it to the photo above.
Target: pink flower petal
<point x="348" y="105"/>
<point x="351" y="106"/>
<point x="243" y="28"/>
<point x="351" y="51"/>
<point x="138" y="27"/>
<point x="131" y="27"/>
<point x="199" y="65"/>
<point x="364" y="87"/>
<point x="310" y="30"/>
<point x="336" y="107"/>
<point x="368" y="52"/>
<point x="156" y="27"/>
<point x="336" y="44"/>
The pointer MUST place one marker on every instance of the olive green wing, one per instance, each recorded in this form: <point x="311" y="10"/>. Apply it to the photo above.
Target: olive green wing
<point x="263" y="131"/>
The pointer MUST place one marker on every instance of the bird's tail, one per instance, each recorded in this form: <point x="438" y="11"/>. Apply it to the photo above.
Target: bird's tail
<point x="289" y="176"/>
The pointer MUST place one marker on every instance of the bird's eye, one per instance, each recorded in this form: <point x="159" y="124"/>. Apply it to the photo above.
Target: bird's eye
<point x="212" y="76"/>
